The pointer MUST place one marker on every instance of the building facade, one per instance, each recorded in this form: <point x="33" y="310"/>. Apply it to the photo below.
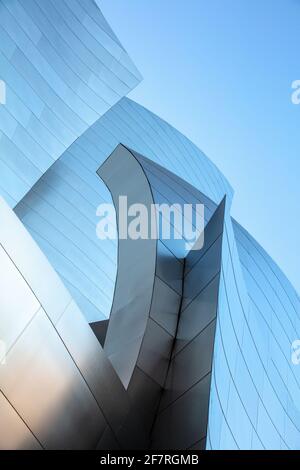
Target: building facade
<point x="200" y="339"/>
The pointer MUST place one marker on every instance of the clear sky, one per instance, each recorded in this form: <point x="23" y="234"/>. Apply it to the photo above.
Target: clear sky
<point x="220" y="71"/>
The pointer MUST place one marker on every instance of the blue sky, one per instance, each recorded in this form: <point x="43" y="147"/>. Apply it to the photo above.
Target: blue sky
<point x="221" y="71"/>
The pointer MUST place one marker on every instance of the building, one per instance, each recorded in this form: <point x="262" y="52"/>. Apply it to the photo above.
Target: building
<point x="193" y="348"/>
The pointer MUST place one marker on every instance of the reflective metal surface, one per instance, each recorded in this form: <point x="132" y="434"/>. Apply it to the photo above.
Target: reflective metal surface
<point x="63" y="68"/>
<point x="43" y="384"/>
<point x="189" y="371"/>
<point x="152" y="320"/>
<point x="56" y="382"/>
<point x="15" y="434"/>
<point x="60" y="211"/>
<point x="200" y="341"/>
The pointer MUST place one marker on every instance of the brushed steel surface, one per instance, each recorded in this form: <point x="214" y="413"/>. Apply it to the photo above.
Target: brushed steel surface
<point x="14" y="434"/>
<point x="43" y="384"/>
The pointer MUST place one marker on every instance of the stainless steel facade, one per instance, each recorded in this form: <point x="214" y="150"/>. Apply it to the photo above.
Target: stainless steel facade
<point x="63" y="68"/>
<point x="196" y="345"/>
<point x="60" y="210"/>
<point x="55" y="379"/>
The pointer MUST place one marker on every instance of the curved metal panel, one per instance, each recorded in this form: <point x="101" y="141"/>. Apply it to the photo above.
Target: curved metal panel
<point x="60" y="389"/>
<point x="63" y="68"/>
<point x="182" y="417"/>
<point x="146" y="307"/>
<point x="255" y="386"/>
<point x="60" y="211"/>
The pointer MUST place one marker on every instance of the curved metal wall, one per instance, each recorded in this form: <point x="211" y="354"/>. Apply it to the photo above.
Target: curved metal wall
<point x="255" y="389"/>
<point x="58" y="390"/>
<point x="60" y="210"/>
<point x="273" y="324"/>
<point x="63" y="68"/>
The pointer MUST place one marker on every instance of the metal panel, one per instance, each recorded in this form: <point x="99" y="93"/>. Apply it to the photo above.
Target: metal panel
<point x="15" y="434"/>
<point x="168" y="269"/>
<point x="144" y="393"/>
<point x="192" y="355"/>
<point x="155" y="355"/>
<point x="189" y="365"/>
<point x="108" y="441"/>
<point x="100" y="329"/>
<point x="213" y="230"/>
<point x="31" y="262"/>
<point x="63" y="68"/>
<point x="150" y="357"/>
<point x="202" y="273"/>
<point x="94" y="366"/>
<point x="200" y="445"/>
<point x="132" y="298"/>
<point x="45" y="387"/>
<point x="60" y="210"/>
<point x="17" y="302"/>
<point x="165" y="306"/>
<point x="186" y="418"/>
<point x="199" y="313"/>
